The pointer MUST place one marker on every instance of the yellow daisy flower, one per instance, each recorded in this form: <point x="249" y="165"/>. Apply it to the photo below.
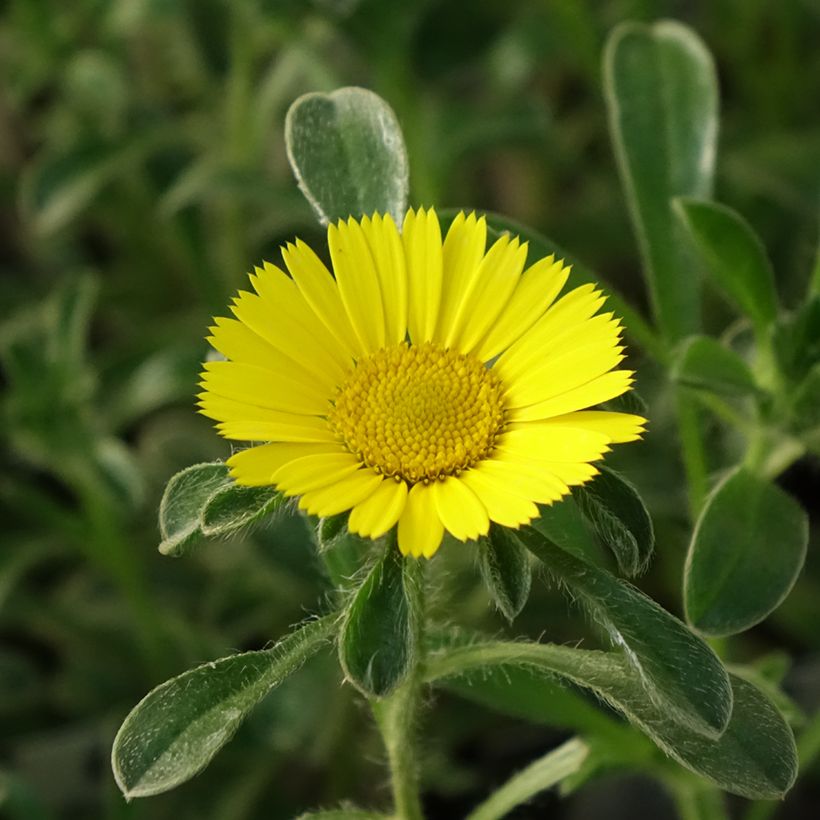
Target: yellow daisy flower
<point x="434" y="385"/>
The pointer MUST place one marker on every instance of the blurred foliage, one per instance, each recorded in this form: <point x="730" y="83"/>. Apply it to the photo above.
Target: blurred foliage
<point x="142" y="171"/>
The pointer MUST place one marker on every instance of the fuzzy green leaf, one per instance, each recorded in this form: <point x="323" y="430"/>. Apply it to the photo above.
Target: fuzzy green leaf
<point x="564" y="524"/>
<point x="174" y="732"/>
<point x="505" y="568"/>
<point x="347" y="151"/>
<point x="619" y="517"/>
<point x="185" y="495"/>
<point x="677" y="669"/>
<point x="705" y="364"/>
<point x="523" y="692"/>
<point x="754" y="757"/>
<point x="662" y="97"/>
<point x="377" y="645"/>
<point x="734" y="256"/>
<point x="747" y="550"/>
<point x="233" y="507"/>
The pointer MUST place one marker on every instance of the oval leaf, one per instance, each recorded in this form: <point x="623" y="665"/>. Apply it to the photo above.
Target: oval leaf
<point x="619" y="517"/>
<point x="233" y="507"/>
<point x="734" y="256"/>
<point x="706" y="364"/>
<point x="184" y="497"/>
<point x="347" y="151"/>
<point x="377" y="646"/>
<point x="754" y="757"/>
<point x="174" y="732"/>
<point x="662" y="98"/>
<point x="677" y="669"/>
<point x="746" y="553"/>
<point x="505" y="568"/>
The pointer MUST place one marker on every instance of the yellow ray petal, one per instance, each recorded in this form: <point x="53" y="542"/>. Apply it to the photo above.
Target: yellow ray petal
<point x="502" y="506"/>
<point x="342" y="495"/>
<point x="462" y="253"/>
<point x="255" y="467"/>
<point x="599" y="390"/>
<point x="538" y="287"/>
<point x="313" y="472"/>
<point x="263" y="387"/>
<point x="388" y="254"/>
<point x="459" y="509"/>
<point x="358" y="283"/>
<point x="239" y="343"/>
<point x="522" y="480"/>
<point x="317" y="286"/>
<point x="601" y="331"/>
<point x="620" y="427"/>
<point x="497" y="277"/>
<point x="421" y="236"/>
<point x="222" y="409"/>
<point x="563" y="373"/>
<point x="278" y="430"/>
<point x="565" y="315"/>
<point x="375" y="515"/>
<point x="420" y="528"/>
<point x="288" y="327"/>
<point x="553" y="442"/>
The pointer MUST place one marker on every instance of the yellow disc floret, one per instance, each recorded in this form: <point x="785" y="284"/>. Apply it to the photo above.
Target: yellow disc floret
<point x="419" y="412"/>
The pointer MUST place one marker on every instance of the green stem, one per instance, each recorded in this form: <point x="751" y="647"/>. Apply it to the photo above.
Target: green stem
<point x="396" y="715"/>
<point x="396" y="718"/>
<point x="694" y="452"/>
<point x="695" y="800"/>
<point x="542" y="774"/>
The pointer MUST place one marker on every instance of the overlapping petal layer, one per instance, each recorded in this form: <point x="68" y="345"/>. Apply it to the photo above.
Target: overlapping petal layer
<point x="491" y="329"/>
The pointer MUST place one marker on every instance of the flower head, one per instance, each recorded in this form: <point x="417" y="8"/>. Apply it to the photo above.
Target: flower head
<point x="426" y="384"/>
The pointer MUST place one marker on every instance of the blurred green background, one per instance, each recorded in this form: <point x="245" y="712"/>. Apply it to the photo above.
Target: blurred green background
<point x="142" y="172"/>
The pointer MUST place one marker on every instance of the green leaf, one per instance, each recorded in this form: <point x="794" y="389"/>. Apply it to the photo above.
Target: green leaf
<point x="505" y="568"/>
<point x="541" y="774"/>
<point x="233" y="507"/>
<point x="202" y="500"/>
<point x="377" y="644"/>
<point x="705" y="364"/>
<point x="754" y="757"/>
<point x="182" y="502"/>
<point x="347" y="151"/>
<point x="564" y="524"/>
<point x="734" y="256"/>
<point x="175" y="731"/>
<point x="662" y="97"/>
<point x="746" y="553"/>
<point x="677" y="669"/>
<point x="523" y="692"/>
<point x="618" y="515"/>
<point x="342" y="553"/>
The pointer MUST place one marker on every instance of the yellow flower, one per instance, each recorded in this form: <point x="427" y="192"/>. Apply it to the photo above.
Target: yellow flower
<point x="433" y="385"/>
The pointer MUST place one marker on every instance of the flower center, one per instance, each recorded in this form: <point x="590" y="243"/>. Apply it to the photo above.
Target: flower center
<point x="419" y="412"/>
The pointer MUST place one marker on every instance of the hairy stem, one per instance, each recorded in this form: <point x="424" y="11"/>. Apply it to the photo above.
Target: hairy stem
<point x="396" y="715"/>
